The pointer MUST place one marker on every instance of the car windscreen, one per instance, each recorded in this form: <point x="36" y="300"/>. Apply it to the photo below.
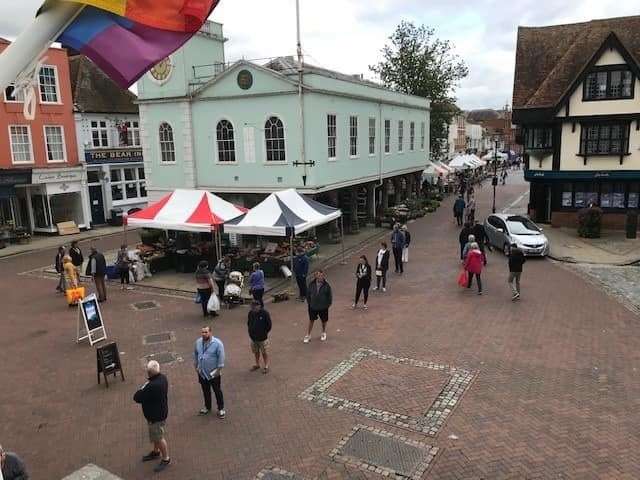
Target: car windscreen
<point x="522" y="226"/>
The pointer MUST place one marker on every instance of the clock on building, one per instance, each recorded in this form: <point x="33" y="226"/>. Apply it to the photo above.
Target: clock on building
<point x="161" y="72"/>
<point x="245" y="79"/>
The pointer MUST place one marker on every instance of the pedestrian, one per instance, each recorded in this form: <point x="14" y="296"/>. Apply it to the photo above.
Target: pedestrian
<point x="152" y="396"/>
<point x="58" y="262"/>
<point x="97" y="268"/>
<point x="76" y="255"/>
<point x="458" y="209"/>
<point x="301" y="270"/>
<point x="319" y="299"/>
<point x="256" y="283"/>
<point x="470" y="192"/>
<point x="221" y="273"/>
<point x="70" y="272"/>
<point x="481" y="237"/>
<point x="463" y="238"/>
<point x="382" y="266"/>
<point x="208" y="360"/>
<point x="397" y="244"/>
<point x="204" y="283"/>
<point x="471" y="210"/>
<point x="470" y="240"/>
<point x="259" y="326"/>
<point x="123" y="265"/>
<point x="473" y="265"/>
<point x="11" y="466"/>
<point x="407" y="241"/>
<point x="363" y="281"/>
<point x="516" y="261"/>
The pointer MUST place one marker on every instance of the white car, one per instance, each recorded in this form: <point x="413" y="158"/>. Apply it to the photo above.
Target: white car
<point x="505" y="230"/>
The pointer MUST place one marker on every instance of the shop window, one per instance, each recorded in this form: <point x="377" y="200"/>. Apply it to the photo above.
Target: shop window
<point x="400" y="135"/>
<point x="99" y="133"/>
<point x="127" y="183"/>
<point x="274" y="140"/>
<point x="129" y="173"/>
<point x="618" y="195"/>
<point x="387" y="136"/>
<point x="65" y="207"/>
<point x="225" y="142"/>
<point x="167" y="147"/>
<point x="143" y="189"/>
<point x="40" y="211"/>
<point x="117" y="192"/>
<point x="634" y="195"/>
<point x="412" y="136"/>
<point x="141" y="173"/>
<point x="331" y="136"/>
<point x="131" y="190"/>
<point x="567" y="195"/>
<point x="54" y="141"/>
<point x="372" y="136"/>
<point x="606" y="195"/>
<point x="585" y="194"/>
<point x="353" y="136"/>
<point x="604" y="139"/>
<point x="93" y="176"/>
<point x="21" y="148"/>
<point x="49" y="84"/>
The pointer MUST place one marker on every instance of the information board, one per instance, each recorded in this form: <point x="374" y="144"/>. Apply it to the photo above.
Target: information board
<point x="90" y="323"/>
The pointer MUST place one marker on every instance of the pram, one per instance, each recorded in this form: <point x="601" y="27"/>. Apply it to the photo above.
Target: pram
<point x="233" y="290"/>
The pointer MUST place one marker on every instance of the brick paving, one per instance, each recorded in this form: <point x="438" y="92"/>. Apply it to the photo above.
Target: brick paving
<point x="555" y="393"/>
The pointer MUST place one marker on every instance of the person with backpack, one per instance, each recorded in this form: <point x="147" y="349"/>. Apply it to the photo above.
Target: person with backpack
<point x="516" y="261"/>
<point x="363" y="281"/>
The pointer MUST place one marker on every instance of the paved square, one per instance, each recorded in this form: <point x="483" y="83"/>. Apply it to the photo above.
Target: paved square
<point x="276" y="474"/>
<point x="91" y="472"/>
<point x="148" y="305"/>
<point x="370" y="449"/>
<point x="163" y="358"/>
<point x="444" y="387"/>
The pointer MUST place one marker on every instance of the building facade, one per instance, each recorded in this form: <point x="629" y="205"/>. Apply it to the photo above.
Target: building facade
<point x="108" y="142"/>
<point x="577" y="104"/>
<point x="41" y="180"/>
<point x="245" y="130"/>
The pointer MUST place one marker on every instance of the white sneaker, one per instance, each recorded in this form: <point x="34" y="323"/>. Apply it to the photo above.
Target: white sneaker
<point x="323" y="337"/>
<point x="375" y="288"/>
<point x="306" y="339"/>
<point x="353" y="306"/>
<point x="384" y="289"/>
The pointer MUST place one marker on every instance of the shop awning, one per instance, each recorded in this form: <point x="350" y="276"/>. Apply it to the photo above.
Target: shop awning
<point x="462" y="162"/>
<point x="186" y="210"/>
<point x="283" y="214"/>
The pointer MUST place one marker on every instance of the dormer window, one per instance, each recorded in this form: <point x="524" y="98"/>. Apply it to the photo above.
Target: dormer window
<point x="609" y="84"/>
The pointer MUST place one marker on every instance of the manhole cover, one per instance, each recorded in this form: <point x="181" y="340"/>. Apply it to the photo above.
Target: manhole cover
<point x="163" y="358"/>
<point x="153" y="338"/>
<point x="145" y="305"/>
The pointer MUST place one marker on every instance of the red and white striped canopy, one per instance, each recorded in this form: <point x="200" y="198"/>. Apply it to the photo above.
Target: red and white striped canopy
<point x="186" y="210"/>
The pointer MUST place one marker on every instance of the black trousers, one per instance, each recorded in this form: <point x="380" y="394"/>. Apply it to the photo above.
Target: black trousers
<point x="382" y="278"/>
<point x="362" y="287"/>
<point x="479" y="280"/>
<point x="215" y="384"/>
<point x="124" y="275"/>
<point x="459" y="218"/>
<point x="302" y="286"/>
<point x="220" y="284"/>
<point x="397" y="257"/>
<point x="257" y="295"/>
<point x="205" y="295"/>
<point x="462" y="250"/>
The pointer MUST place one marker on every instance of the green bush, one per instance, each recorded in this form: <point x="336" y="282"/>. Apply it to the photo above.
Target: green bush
<point x="590" y="222"/>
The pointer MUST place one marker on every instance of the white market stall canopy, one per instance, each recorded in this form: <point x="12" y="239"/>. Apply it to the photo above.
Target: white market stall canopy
<point x="490" y="156"/>
<point x="186" y="210"/>
<point x="466" y="161"/>
<point x="282" y="214"/>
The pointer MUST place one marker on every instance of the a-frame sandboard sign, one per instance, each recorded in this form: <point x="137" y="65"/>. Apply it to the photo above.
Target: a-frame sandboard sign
<point x="90" y="323"/>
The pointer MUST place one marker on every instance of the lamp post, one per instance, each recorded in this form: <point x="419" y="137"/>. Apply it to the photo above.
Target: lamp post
<point x="494" y="181"/>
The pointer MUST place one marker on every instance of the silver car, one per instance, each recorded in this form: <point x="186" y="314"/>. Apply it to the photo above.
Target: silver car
<point x="505" y="230"/>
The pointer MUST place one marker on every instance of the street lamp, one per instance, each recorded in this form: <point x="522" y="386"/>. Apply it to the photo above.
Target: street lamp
<point x="494" y="181"/>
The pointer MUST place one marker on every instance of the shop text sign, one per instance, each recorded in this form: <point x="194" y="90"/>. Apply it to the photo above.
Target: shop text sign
<point x="115" y="155"/>
<point x="57" y="177"/>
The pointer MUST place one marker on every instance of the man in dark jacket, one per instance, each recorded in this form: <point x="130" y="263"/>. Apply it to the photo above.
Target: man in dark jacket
<point x="59" y="264"/>
<point x="481" y="238"/>
<point x="516" y="260"/>
<point x="97" y="268"/>
<point x="464" y="238"/>
<point x="458" y="209"/>
<point x="319" y="299"/>
<point x="397" y="245"/>
<point x="301" y="270"/>
<point x="155" y="408"/>
<point x="259" y="326"/>
<point x="11" y="466"/>
<point x="76" y="254"/>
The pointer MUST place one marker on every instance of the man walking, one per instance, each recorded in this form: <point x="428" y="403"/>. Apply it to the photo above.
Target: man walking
<point x="319" y="299"/>
<point x="407" y="242"/>
<point x="208" y="360"/>
<point x="458" y="209"/>
<point x="397" y="245"/>
<point x="301" y="270"/>
<point x="152" y="396"/>
<point x="259" y="326"/>
<point x="76" y="255"/>
<point x="97" y="268"/>
<point x="11" y="466"/>
<point x="59" y="264"/>
<point x="516" y="260"/>
<point x="481" y="237"/>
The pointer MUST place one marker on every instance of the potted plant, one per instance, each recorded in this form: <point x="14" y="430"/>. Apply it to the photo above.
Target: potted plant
<point x="590" y="222"/>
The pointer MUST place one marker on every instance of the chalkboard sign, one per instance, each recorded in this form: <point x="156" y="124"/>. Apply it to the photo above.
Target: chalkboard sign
<point x="108" y="362"/>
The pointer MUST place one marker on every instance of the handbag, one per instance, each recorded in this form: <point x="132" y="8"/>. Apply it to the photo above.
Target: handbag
<point x="74" y="295"/>
<point x="463" y="279"/>
<point x="378" y="273"/>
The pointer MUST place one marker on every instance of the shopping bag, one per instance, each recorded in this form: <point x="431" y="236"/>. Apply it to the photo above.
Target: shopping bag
<point x="74" y="295"/>
<point x="463" y="279"/>
<point x="214" y="303"/>
<point x="378" y="273"/>
<point x="198" y="298"/>
<point x="405" y="255"/>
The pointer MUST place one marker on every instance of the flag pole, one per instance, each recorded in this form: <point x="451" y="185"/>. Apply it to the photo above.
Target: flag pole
<point x="34" y="40"/>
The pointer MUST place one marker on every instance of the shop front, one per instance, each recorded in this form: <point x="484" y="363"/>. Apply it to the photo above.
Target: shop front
<point x="14" y="218"/>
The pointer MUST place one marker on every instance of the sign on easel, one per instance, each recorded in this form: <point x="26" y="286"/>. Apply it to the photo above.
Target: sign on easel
<point x="90" y="325"/>
<point x="108" y="362"/>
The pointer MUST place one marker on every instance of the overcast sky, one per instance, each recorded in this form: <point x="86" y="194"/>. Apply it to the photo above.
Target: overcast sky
<point x="347" y="35"/>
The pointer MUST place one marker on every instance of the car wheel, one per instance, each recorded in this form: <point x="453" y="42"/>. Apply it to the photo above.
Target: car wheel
<point x="506" y="249"/>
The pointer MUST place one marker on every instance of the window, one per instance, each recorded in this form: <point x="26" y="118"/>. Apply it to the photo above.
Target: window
<point x="225" y="141"/>
<point x="604" y="139"/>
<point x="99" y="133"/>
<point x="10" y="95"/>
<point x="400" y="135"/>
<point x="412" y="136"/>
<point x="274" y="140"/>
<point x="48" y="84"/>
<point x="353" y="136"/>
<point x="387" y="136"/>
<point x="127" y="183"/>
<point x="167" y="147"/>
<point x="133" y="133"/>
<point x="21" y="149"/>
<point x="612" y="195"/>
<point x="633" y="200"/>
<point x="331" y="136"/>
<point x="538" y="138"/>
<point x="608" y="85"/>
<point x="567" y="194"/>
<point x="54" y="142"/>
<point x="372" y="136"/>
<point x="422" y="135"/>
<point x="585" y="194"/>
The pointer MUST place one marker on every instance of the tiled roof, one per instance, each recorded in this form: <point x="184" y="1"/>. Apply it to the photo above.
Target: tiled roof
<point x="549" y="59"/>
<point x="95" y="92"/>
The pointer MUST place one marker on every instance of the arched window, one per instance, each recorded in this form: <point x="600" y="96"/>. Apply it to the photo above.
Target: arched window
<point x="274" y="139"/>
<point x="226" y="143"/>
<point x="167" y="147"/>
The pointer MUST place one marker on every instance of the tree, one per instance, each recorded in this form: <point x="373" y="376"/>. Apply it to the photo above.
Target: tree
<point x="417" y="63"/>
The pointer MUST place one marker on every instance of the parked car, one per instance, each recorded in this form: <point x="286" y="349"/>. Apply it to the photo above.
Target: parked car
<point x="504" y="230"/>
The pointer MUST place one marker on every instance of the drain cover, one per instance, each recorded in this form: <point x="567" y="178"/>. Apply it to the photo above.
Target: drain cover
<point x="163" y="358"/>
<point x="150" y="305"/>
<point x="153" y="338"/>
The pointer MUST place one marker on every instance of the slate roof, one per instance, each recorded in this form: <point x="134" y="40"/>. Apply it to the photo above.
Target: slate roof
<point x="478" y="116"/>
<point x="289" y="65"/>
<point x="95" y="92"/>
<point x="549" y="59"/>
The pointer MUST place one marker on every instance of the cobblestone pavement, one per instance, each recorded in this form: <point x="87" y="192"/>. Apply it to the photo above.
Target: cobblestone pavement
<point x="554" y="395"/>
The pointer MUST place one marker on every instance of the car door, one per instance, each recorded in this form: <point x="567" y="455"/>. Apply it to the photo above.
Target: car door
<point x="502" y="234"/>
<point x="491" y="229"/>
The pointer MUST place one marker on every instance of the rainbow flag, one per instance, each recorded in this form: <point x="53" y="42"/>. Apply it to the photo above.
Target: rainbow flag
<point x="126" y="38"/>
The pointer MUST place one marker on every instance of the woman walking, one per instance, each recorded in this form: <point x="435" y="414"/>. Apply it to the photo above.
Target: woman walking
<point x="204" y="283"/>
<point x="363" y="281"/>
<point x="256" y="284"/>
<point x="70" y="272"/>
<point x="473" y="265"/>
<point x="122" y="264"/>
<point x="382" y="265"/>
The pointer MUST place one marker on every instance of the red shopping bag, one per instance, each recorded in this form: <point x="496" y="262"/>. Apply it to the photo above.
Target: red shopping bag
<point x="463" y="279"/>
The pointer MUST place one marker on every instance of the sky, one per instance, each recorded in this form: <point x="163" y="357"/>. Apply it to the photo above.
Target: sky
<point x="347" y="35"/>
